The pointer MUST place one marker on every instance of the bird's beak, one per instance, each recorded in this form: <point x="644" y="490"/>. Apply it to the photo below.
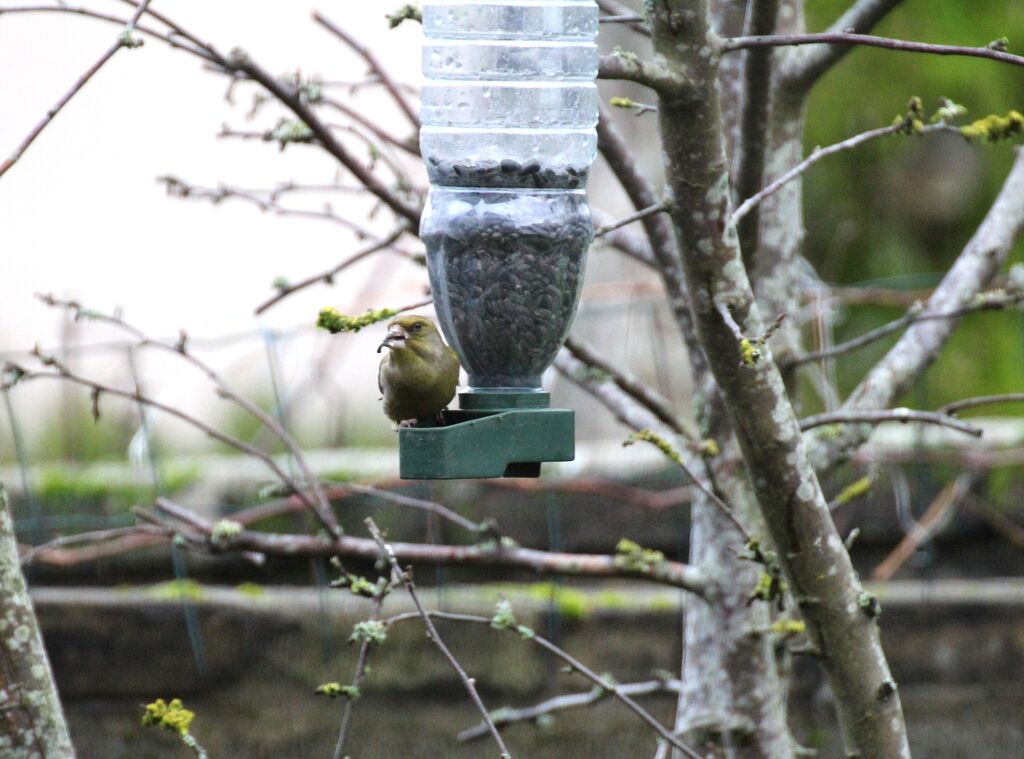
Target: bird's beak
<point x="395" y="335"/>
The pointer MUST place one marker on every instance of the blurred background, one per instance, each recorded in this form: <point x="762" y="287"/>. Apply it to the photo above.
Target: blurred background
<point x="83" y="215"/>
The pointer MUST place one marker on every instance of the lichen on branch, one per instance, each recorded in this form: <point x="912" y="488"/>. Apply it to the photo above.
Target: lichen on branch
<point x="334" y="321"/>
<point x="994" y="128"/>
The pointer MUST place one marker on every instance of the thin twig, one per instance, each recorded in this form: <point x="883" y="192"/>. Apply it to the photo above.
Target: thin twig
<point x="410" y="146"/>
<point x="93" y="537"/>
<point x="69" y="557"/>
<point x="575" y="664"/>
<point x="200" y="529"/>
<point x="902" y="415"/>
<point x="816" y="155"/>
<point x="798" y="73"/>
<point x="319" y="504"/>
<point x="643" y="213"/>
<point x="375" y="66"/>
<point x="870" y="40"/>
<point x="65" y="374"/>
<point x="179" y="188"/>
<point x="632" y="18"/>
<point x="327" y="277"/>
<point x="665" y="447"/>
<point x="628" y="242"/>
<point x="857" y="342"/>
<point x="931" y="522"/>
<point x="125" y="39"/>
<point x="431" y="507"/>
<point x="177" y="30"/>
<point x="289" y="96"/>
<point x="360" y="673"/>
<point x="508" y="716"/>
<point x="992" y="300"/>
<point x="614" y="8"/>
<point x="468" y="682"/>
<point x="633" y="387"/>
<point x="730" y="321"/>
<point x="1012" y="532"/>
<point x="981" y="400"/>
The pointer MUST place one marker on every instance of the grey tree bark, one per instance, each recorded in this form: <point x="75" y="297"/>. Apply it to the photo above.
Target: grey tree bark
<point x="32" y="722"/>
<point x="727" y="317"/>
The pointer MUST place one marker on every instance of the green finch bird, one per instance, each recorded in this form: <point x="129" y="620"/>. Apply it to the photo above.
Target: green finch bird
<point x="419" y="373"/>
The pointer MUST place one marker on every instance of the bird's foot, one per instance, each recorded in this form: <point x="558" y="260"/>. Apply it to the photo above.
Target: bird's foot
<point x="406" y="423"/>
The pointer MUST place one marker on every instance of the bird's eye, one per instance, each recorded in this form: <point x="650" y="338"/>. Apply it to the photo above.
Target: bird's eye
<point x="417" y="327"/>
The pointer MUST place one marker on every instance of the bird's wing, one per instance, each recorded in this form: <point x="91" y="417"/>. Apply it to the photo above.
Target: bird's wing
<point x="454" y="363"/>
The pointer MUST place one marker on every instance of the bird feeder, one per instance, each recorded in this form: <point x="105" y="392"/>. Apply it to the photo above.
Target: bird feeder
<point x="508" y="111"/>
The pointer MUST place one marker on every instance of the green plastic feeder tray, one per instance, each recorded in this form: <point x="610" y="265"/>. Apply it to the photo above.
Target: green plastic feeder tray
<point x="492" y="434"/>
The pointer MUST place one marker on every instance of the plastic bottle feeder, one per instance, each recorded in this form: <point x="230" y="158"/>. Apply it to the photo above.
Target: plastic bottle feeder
<point x="508" y="109"/>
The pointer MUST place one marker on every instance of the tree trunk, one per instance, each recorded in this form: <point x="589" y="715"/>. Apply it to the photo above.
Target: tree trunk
<point x="839" y="614"/>
<point x="31" y="719"/>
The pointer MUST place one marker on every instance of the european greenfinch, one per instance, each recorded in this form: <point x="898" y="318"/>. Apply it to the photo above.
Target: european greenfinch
<point x="419" y="373"/>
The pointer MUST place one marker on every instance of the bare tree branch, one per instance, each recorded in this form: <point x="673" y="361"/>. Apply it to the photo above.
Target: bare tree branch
<point x="629" y="18"/>
<point x="802" y="67"/>
<point x="626" y="241"/>
<point x="630" y="67"/>
<point x="409" y="146"/>
<point x="92" y="537"/>
<point x="901" y="415"/>
<point x="125" y="39"/>
<point x="660" y="207"/>
<point x="751" y="201"/>
<point x="755" y="120"/>
<point x="633" y="387"/>
<point x="611" y="687"/>
<point x="327" y="277"/>
<point x="974" y="268"/>
<point x="238" y="60"/>
<point x="63" y="373"/>
<point x="509" y="716"/>
<point x="382" y="589"/>
<point x="990" y="301"/>
<point x="432" y="507"/>
<point x="435" y="637"/>
<point x="266" y="201"/>
<point x="981" y="400"/>
<point x="376" y="67"/>
<point x="490" y="553"/>
<point x="869" y="40"/>
<point x="616" y="9"/>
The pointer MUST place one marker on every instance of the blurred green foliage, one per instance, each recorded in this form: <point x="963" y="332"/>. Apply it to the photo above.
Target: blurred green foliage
<point x="896" y="212"/>
<point x="71" y="434"/>
<point x="66" y="490"/>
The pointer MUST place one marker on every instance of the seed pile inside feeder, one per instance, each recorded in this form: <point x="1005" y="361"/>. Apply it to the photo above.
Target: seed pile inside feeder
<point x="508" y="172"/>
<point x="505" y="271"/>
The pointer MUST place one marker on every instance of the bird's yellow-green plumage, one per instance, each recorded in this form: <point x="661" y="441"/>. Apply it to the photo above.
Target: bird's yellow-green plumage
<point x="419" y="373"/>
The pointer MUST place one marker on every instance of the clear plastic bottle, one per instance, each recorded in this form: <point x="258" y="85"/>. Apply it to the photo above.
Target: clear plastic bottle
<point x="508" y="108"/>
